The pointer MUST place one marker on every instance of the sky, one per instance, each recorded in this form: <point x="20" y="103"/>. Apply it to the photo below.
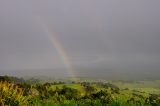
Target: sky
<point x="98" y="38"/>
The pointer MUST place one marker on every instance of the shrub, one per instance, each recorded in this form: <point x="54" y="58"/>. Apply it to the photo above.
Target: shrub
<point x="12" y="95"/>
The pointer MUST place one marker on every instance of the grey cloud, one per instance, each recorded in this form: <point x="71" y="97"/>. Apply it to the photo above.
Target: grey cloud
<point x="100" y="35"/>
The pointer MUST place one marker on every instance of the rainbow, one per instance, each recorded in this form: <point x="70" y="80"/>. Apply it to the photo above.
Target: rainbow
<point x="61" y="51"/>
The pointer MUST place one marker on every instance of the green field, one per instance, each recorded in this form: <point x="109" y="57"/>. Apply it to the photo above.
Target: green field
<point x="14" y="92"/>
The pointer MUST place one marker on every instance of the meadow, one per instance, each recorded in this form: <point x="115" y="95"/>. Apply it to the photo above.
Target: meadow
<point x="19" y="92"/>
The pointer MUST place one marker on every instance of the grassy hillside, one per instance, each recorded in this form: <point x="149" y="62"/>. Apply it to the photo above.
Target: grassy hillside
<point x="111" y="93"/>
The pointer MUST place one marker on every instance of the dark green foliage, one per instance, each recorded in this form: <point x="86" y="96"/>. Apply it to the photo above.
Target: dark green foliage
<point x="154" y="99"/>
<point x="70" y="93"/>
<point x="12" y="79"/>
<point x="90" y="94"/>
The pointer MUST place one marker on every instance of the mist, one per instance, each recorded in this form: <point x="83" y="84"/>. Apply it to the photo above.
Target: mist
<point x="103" y="39"/>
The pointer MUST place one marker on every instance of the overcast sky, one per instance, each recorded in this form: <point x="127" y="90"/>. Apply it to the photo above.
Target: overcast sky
<point x="99" y="36"/>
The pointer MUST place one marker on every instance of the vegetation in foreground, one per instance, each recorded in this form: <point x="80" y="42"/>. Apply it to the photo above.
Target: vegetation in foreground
<point x="18" y="92"/>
